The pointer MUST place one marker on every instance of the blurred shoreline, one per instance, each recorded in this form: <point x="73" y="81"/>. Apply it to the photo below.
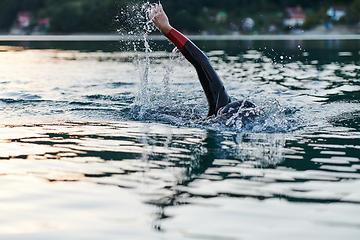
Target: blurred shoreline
<point x="117" y="37"/>
<point x="339" y="32"/>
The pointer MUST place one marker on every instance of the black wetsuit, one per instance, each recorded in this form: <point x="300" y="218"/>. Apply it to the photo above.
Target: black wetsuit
<point x="210" y="81"/>
<point x="215" y="92"/>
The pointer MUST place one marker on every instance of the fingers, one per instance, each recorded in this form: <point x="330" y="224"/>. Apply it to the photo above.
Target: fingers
<point x="159" y="18"/>
<point x="157" y="15"/>
<point x="156" y="8"/>
<point x="152" y="12"/>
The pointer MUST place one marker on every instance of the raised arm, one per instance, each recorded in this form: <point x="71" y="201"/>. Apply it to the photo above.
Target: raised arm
<point x="161" y="21"/>
<point x="210" y="81"/>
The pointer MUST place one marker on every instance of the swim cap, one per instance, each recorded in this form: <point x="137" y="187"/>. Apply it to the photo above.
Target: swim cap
<point x="242" y="107"/>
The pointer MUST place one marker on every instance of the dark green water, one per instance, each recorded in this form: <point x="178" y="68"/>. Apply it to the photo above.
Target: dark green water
<point x="97" y="142"/>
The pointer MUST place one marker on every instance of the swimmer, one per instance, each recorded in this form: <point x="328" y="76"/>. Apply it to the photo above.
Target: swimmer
<point x="218" y="100"/>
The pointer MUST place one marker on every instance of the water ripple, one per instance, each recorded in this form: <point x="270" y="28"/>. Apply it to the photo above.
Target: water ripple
<point x="84" y="147"/>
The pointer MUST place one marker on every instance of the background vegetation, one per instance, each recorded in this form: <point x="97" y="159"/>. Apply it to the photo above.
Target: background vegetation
<point x="89" y="16"/>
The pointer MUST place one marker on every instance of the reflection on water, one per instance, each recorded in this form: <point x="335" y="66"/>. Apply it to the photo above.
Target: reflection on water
<point x="182" y="172"/>
<point x="169" y="157"/>
<point x="82" y="156"/>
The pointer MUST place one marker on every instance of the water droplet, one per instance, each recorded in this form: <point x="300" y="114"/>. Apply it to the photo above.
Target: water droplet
<point x="281" y="57"/>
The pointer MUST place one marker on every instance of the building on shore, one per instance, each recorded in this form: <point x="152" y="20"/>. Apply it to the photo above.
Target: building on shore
<point x="25" y="23"/>
<point x="336" y="12"/>
<point x="295" y="17"/>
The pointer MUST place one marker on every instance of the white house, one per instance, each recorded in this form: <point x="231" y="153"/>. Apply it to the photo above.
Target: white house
<point x="295" y="20"/>
<point x="23" y="19"/>
<point x="295" y="17"/>
<point x="248" y="24"/>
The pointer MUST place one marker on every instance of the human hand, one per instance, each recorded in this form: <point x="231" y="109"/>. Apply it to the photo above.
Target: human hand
<point x="159" y="18"/>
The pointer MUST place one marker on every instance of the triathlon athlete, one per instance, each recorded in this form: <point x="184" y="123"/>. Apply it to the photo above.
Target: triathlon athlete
<point x="218" y="100"/>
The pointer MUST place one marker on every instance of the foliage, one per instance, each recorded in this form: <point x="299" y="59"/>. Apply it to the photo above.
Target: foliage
<point x="354" y="12"/>
<point x="321" y="17"/>
<point x="68" y="16"/>
<point x="83" y="16"/>
<point x="315" y="19"/>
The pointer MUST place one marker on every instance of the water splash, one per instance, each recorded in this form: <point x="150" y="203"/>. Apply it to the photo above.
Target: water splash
<point x="166" y="80"/>
<point x="143" y="70"/>
<point x="150" y="103"/>
<point x="153" y="105"/>
<point x="136" y="19"/>
<point x="137" y="28"/>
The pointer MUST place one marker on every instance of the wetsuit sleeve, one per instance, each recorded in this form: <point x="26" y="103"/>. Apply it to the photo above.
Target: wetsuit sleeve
<point x="210" y="81"/>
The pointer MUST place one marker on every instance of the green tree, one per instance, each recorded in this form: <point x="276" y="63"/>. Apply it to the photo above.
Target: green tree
<point x="9" y="9"/>
<point x="69" y="16"/>
<point x="354" y="11"/>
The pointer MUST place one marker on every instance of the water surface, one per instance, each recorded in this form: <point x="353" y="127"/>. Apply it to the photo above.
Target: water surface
<point x="106" y="143"/>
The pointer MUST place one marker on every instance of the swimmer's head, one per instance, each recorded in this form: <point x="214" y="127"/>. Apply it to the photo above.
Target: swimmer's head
<point x="243" y="108"/>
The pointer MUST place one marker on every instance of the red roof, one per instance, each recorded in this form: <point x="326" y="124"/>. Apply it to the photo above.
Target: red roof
<point x="43" y="21"/>
<point x="298" y="16"/>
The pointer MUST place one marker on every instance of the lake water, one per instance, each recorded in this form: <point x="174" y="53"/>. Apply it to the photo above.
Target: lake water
<point x="98" y="141"/>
